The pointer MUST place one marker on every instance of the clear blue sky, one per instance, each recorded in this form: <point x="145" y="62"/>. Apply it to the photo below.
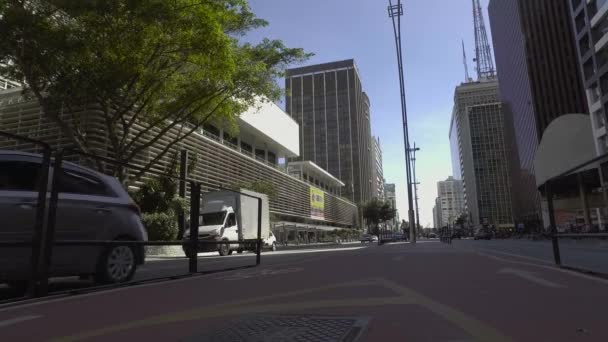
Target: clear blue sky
<point x="432" y="32"/>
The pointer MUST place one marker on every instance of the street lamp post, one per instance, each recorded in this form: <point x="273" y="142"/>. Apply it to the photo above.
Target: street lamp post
<point x="395" y="12"/>
<point x="416" y="183"/>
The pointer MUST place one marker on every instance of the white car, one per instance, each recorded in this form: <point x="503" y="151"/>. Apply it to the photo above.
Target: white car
<point x="271" y="242"/>
<point x="91" y="206"/>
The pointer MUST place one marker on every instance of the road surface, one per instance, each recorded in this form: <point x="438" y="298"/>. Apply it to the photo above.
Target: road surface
<point x="398" y="292"/>
<point x="589" y="255"/>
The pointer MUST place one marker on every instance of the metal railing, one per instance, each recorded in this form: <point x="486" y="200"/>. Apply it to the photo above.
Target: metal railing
<point x="44" y="237"/>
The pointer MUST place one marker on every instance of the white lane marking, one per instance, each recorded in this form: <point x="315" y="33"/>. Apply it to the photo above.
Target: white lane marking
<point x="531" y="276"/>
<point x="16" y="320"/>
<point x="550" y="268"/>
<point x="544" y="261"/>
<point x="258" y="274"/>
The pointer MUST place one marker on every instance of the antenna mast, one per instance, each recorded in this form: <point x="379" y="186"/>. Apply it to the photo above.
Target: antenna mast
<point x="467" y="78"/>
<point x="483" y="54"/>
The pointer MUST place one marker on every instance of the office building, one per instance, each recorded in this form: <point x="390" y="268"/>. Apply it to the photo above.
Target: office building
<point x="266" y="135"/>
<point x="450" y="196"/>
<point x="437" y="214"/>
<point x="539" y="77"/>
<point x="590" y="23"/>
<point x="333" y="112"/>
<point x="478" y="141"/>
<point x="378" y="174"/>
<point x="390" y="195"/>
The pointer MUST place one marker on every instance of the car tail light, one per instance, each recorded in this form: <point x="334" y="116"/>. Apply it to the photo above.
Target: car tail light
<point x="133" y="206"/>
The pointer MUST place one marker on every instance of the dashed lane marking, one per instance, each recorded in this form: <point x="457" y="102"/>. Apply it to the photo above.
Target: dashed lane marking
<point x="16" y="320"/>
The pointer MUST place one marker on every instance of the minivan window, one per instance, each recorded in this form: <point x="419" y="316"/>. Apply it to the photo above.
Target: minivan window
<point x="79" y="183"/>
<point x="19" y="175"/>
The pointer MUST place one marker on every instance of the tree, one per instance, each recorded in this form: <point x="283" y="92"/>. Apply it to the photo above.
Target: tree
<point x="371" y="213"/>
<point x="263" y="187"/>
<point x="386" y="212"/>
<point x="148" y="67"/>
<point x="376" y="211"/>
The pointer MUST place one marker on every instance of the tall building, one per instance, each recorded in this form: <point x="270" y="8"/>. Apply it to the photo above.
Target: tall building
<point x="328" y="102"/>
<point x="539" y="78"/>
<point x="378" y="173"/>
<point x="390" y="195"/>
<point x="478" y="141"/>
<point x="450" y="197"/>
<point x="437" y="214"/>
<point x="590" y="23"/>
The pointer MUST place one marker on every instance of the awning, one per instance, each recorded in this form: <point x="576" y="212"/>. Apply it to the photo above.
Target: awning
<point x="566" y="147"/>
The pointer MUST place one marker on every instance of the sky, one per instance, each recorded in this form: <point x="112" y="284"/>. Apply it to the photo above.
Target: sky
<point x="432" y="34"/>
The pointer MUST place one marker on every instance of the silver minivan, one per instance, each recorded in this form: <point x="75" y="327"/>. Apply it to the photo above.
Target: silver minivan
<point x="91" y="206"/>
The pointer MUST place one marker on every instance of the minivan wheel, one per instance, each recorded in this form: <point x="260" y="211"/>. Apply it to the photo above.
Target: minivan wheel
<point x="224" y="249"/>
<point x="117" y="264"/>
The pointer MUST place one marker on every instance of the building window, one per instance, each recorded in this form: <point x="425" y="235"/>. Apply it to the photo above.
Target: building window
<point x="599" y="118"/>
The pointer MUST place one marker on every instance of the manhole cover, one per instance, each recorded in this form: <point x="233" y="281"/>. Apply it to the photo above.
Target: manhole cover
<point x="275" y="328"/>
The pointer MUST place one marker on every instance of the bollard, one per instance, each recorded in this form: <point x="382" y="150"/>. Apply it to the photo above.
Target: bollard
<point x="195" y="204"/>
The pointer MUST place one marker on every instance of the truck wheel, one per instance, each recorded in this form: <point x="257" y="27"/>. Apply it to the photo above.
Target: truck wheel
<point x="224" y="250"/>
<point x="274" y="247"/>
<point x="240" y="251"/>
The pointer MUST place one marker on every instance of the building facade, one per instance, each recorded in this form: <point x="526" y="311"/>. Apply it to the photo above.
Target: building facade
<point x="478" y="139"/>
<point x="590" y="23"/>
<point x="539" y="78"/>
<point x="390" y="195"/>
<point x="450" y="197"/>
<point x="378" y="173"/>
<point x="437" y="214"/>
<point x="222" y="160"/>
<point x="333" y="112"/>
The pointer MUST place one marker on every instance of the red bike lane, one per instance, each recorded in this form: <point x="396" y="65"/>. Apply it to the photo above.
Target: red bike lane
<point x="423" y="292"/>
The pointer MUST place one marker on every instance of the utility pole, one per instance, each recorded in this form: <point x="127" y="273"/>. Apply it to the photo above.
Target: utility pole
<point x="416" y="183"/>
<point x="395" y="12"/>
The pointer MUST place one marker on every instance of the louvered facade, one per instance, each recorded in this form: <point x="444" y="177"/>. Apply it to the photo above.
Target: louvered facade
<point x="220" y="163"/>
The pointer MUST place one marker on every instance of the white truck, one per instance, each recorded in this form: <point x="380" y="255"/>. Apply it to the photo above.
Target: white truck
<point x="230" y="216"/>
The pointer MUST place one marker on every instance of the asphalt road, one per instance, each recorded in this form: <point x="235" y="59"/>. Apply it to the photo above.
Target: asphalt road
<point x="397" y="292"/>
<point x="589" y="255"/>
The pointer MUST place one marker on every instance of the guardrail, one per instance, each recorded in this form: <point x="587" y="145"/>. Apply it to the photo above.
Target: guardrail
<point x="44" y="237"/>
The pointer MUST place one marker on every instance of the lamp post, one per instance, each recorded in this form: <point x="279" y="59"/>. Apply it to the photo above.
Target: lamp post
<point x="395" y="12"/>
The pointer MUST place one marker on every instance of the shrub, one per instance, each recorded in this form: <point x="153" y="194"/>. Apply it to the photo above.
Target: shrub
<point x="160" y="226"/>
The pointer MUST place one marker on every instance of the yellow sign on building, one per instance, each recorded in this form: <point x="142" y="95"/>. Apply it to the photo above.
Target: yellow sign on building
<point x="317" y="203"/>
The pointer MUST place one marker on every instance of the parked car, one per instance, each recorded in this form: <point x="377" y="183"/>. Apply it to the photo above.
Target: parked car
<point x="432" y="236"/>
<point x="368" y="238"/>
<point x="91" y="206"/>
<point x="398" y="237"/>
<point x="271" y="242"/>
<point x="482" y="234"/>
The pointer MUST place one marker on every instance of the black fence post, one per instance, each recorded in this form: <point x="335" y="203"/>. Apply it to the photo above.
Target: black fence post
<point x="183" y="172"/>
<point x="259" y="242"/>
<point x="37" y="239"/>
<point x="195" y="205"/>
<point x="49" y="234"/>
<point x="553" y="227"/>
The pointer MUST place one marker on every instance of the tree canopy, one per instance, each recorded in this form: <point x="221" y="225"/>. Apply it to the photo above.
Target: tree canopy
<point x="377" y="211"/>
<point x="156" y="64"/>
